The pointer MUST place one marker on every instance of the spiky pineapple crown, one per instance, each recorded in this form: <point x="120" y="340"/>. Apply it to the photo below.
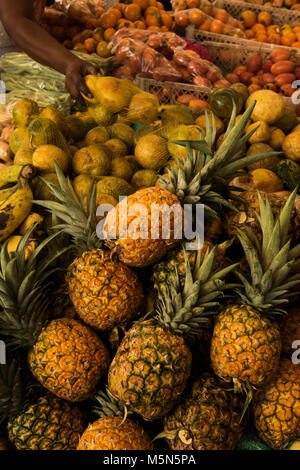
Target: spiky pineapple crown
<point x="78" y="222"/>
<point x="104" y="404"/>
<point x="202" y="176"/>
<point x="272" y="262"/>
<point x="24" y="290"/>
<point x="186" y="309"/>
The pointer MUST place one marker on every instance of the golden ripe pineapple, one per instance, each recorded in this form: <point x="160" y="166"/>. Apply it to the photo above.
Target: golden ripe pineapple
<point x="112" y="431"/>
<point x="276" y="408"/>
<point x="209" y="417"/>
<point x="68" y="359"/>
<point x="105" y="293"/>
<point x="35" y="421"/>
<point x="201" y="178"/>
<point x="246" y="342"/>
<point x="65" y="356"/>
<point x="153" y="362"/>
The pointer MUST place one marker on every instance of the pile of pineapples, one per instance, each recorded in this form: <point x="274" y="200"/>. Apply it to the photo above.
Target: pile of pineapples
<point x="154" y="345"/>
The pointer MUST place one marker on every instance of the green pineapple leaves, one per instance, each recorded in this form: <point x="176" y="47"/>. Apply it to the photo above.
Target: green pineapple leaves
<point x="271" y="263"/>
<point x="75" y="220"/>
<point x="186" y="309"/>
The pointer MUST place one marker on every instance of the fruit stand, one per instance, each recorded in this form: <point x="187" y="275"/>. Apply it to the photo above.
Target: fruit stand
<point x="126" y="329"/>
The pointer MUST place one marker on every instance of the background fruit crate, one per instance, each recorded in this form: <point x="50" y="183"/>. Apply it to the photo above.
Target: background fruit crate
<point x="228" y="56"/>
<point x="194" y="35"/>
<point x="280" y="16"/>
<point x="168" y="92"/>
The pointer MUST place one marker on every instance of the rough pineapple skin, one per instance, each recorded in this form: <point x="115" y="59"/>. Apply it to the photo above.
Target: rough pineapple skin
<point x="290" y="331"/>
<point x="246" y="214"/>
<point x="49" y="424"/>
<point x="111" y="433"/>
<point x="150" y="369"/>
<point x="68" y="359"/>
<point x="207" y="419"/>
<point x="105" y="293"/>
<point x="145" y="250"/>
<point x="276" y="409"/>
<point x="245" y="346"/>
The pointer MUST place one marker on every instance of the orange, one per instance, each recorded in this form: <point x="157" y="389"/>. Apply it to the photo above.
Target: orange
<point x="249" y="34"/>
<point x="108" y="20"/>
<point x="205" y="26"/>
<point x="125" y="24"/>
<point x="133" y="12"/>
<point x="181" y="18"/>
<point x="160" y="6"/>
<point x="198" y="104"/>
<point x="143" y="4"/>
<point x="90" y="45"/>
<point x="153" y="28"/>
<point x="192" y="3"/>
<point x="102" y="49"/>
<point x="164" y="29"/>
<point x="139" y="25"/>
<point x="288" y="39"/>
<point x="152" y="11"/>
<point x="108" y="34"/>
<point x="196" y="16"/>
<point x="116" y="12"/>
<point x="264" y="17"/>
<point x="217" y="27"/>
<point x="258" y="27"/>
<point x="119" y="6"/>
<point x="221" y="15"/>
<point x="296" y="44"/>
<point x="152" y="20"/>
<point x="249" y="18"/>
<point x="167" y="20"/>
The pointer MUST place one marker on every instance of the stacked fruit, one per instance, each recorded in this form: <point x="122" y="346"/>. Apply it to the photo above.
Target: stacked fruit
<point x="277" y="72"/>
<point x="292" y="4"/>
<point x="90" y="325"/>
<point x="211" y="19"/>
<point x="259" y="27"/>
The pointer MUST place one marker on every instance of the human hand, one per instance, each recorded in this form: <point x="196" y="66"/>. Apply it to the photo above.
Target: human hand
<point x="75" y="72"/>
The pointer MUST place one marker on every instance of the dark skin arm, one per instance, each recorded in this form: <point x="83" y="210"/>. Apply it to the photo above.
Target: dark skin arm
<point x="18" y="21"/>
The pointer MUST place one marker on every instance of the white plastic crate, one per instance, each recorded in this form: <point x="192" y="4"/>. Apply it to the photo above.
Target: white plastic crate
<point x="280" y="16"/>
<point x="193" y="34"/>
<point x="168" y="92"/>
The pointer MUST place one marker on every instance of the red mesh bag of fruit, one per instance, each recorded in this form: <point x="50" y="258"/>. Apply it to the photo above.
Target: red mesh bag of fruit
<point x="210" y="23"/>
<point x="156" y="39"/>
<point x="200" y="71"/>
<point x="145" y="61"/>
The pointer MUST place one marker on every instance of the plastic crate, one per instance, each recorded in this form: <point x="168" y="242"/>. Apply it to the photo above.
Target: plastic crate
<point x="229" y="56"/>
<point x="280" y="16"/>
<point x="193" y="34"/>
<point x="168" y="92"/>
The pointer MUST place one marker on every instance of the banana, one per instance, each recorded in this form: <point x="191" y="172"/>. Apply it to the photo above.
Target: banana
<point x="9" y="174"/>
<point x="6" y="193"/>
<point x="15" y="208"/>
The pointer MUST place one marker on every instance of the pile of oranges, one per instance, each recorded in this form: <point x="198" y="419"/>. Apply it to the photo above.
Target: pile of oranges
<point x="141" y="14"/>
<point x="259" y="27"/>
<point x="211" y="19"/>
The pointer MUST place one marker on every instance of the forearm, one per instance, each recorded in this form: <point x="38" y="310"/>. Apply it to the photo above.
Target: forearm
<point x="38" y="44"/>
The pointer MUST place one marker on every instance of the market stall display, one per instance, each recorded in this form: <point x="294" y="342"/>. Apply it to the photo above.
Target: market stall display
<point x="133" y="338"/>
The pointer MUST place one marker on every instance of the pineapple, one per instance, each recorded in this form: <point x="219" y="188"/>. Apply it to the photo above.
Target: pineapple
<point x="64" y="355"/>
<point x="104" y="292"/>
<point x="276" y="408"/>
<point x="249" y="205"/>
<point x="200" y="178"/>
<point x="153" y="362"/>
<point x="246" y="342"/>
<point x="209" y="417"/>
<point x="37" y="423"/>
<point x="113" y="431"/>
